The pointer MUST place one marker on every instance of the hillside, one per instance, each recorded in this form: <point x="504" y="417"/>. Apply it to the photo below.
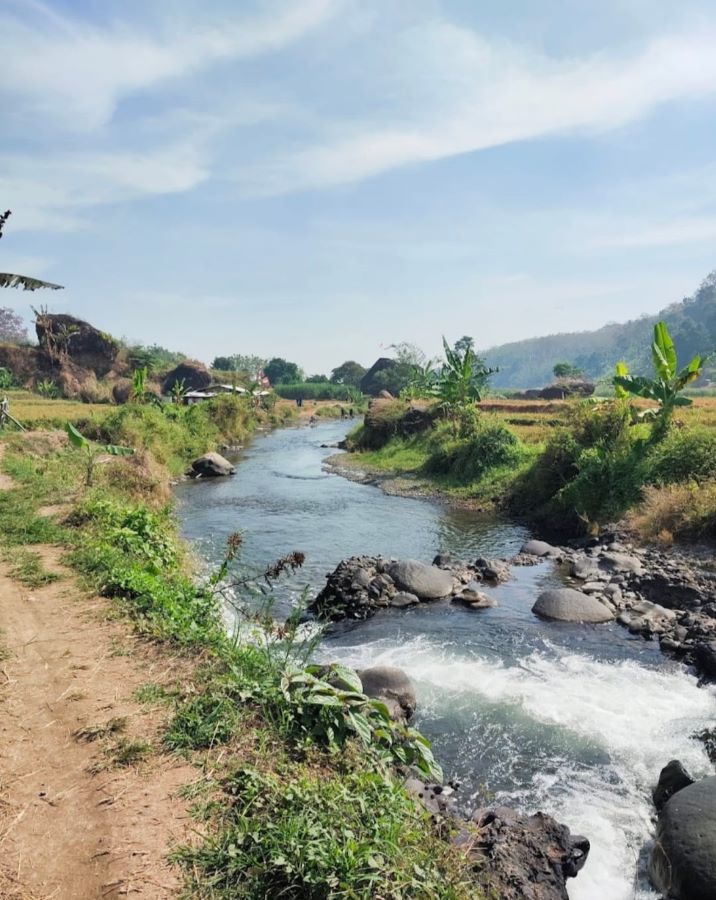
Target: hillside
<point x="692" y="322"/>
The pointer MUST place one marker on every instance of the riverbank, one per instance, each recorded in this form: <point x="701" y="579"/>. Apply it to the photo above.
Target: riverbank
<point x="223" y="722"/>
<point x="568" y="471"/>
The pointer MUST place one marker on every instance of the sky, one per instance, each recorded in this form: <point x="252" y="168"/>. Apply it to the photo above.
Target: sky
<point x="320" y="179"/>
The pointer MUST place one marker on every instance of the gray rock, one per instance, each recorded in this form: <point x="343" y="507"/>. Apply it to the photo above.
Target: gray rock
<point x="584" y="569"/>
<point x="683" y="860"/>
<point x="211" y="465"/>
<point x="568" y="605"/>
<point x="361" y="580"/>
<point x="621" y="563"/>
<point x="393" y="687"/>
<point x="593" y="587"/>
<point x="672" y="778"/>
<point x="538" y="548"/>
<point x="475" y="598"/>
<point x="492" y="569"/>
<point x="403" y="599"/>
<point x="426" y="582"/>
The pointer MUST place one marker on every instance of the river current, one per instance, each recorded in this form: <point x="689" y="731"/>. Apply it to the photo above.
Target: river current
<point x="574" y="720"/>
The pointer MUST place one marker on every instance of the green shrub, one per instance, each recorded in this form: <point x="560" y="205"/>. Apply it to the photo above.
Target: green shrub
<point x="682" y="456"/>
<point x="320" y="836"/>
<point x="490" y="446"/>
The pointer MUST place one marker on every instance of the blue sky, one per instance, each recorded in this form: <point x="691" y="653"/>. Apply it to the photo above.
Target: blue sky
<point x="318" y="179"/>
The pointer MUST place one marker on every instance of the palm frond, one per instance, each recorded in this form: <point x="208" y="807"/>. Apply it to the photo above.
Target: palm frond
<point x="26" y="283"/>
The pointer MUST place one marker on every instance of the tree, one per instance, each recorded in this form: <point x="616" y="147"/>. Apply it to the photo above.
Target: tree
<point x="567" y="370"/>
<point x="317" y="379"/>
<point x="280" y="371"/>
<point x="464" y="343"/>
<point x="463" y="378"/>
<point x="670" y="381"/>
<point x="239" y="363"/>
<point x="12" y="328"/>
<point x="349" y="372"/>
<point x="27" y="283"/>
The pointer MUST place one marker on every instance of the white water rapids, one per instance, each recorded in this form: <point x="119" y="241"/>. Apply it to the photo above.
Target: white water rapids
<point x="635" y="718"/>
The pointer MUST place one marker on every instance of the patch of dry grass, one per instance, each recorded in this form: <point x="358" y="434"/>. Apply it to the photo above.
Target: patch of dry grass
<point x="676" y="511"/>
<point x="34" y="411"/>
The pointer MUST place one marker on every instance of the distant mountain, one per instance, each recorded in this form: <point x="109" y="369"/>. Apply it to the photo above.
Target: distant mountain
<point x="692" y="322"/>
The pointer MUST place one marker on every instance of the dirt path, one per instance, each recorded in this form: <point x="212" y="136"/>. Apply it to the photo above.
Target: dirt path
<point x="74" y="823"/>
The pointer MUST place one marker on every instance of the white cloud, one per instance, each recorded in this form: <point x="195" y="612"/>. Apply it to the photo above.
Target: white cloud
<point x="76" y="72"/>
<point x="476" y="94"/>
<point x="653" y="233"/>
<point x="54" y="193"/>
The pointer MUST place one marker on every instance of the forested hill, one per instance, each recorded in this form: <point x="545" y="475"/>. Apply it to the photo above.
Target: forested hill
<point x="692" y="322"/>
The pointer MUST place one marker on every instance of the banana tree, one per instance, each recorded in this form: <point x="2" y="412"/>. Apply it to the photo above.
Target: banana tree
<point x="93" y="451"/>
<point x="463" y="377"/>
<point x="9" y="280"/>
<point x="665" y="389"/>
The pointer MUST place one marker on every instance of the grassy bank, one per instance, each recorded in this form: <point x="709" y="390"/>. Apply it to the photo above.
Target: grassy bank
<point x="568" y="466"/>
<point x="299" y="787"/>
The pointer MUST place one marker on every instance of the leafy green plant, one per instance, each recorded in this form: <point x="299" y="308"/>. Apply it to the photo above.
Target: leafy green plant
<point x="666" y="388"/>
<point x="329" y="707"/>
<point x="6" y="379"/>
<point x="93" y="451"/>
<point x="47" y="388"/>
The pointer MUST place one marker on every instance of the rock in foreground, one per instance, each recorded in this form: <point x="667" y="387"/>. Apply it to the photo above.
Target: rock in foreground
<point x="211" y="465"/>
<point x="568" y="605"/>
<point x="683" y="861"/>
<point x="526" y="857"/>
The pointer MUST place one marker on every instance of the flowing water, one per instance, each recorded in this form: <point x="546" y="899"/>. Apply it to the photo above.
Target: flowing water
<point x="574" y="720"/>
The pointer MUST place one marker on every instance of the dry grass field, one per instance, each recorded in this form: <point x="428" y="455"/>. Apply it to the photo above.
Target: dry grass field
<point x="534" y="420"/>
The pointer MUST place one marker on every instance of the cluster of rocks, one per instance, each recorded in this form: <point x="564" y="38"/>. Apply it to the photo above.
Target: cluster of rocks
<point x="668" y="596"/>
<point x="683" y="858"/>
<point x="362" y="585"/>
<point x="517" y="856"/>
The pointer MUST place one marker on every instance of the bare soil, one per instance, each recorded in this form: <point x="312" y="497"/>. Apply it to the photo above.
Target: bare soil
<point x="74" y="823"/>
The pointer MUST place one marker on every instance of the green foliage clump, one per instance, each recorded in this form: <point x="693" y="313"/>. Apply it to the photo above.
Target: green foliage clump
<point x="316" y="836"/>
<point x="688" y="455"/>
<point x="489" y="447"/>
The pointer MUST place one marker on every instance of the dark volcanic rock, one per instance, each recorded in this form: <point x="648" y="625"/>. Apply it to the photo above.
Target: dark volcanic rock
<point x="526" y="857"/>
<point x="60" y="335"/>
<point x="369" y="384"/>
<point x="193" y="376"/>
<point x="683" y="861"/>
<point x="672" y="778"/>
<point x="568" y="605"/>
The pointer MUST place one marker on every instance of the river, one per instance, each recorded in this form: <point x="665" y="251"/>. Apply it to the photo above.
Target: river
<point x="574" y="720"/>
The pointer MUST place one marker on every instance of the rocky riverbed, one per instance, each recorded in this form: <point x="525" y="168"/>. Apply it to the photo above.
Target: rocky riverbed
<point x="664" y="595"/>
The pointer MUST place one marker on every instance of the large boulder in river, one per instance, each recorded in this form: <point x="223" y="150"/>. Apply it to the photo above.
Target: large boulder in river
<point x="683" y="861"/>
<point x="568" y="605"/>
<point x="211" y="465"/>
<point x="393" y="687"/>
<point x="426" y="582"/>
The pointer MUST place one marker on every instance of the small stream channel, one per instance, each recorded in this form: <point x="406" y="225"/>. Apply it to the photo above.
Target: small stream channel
<point x="574" y="720"/>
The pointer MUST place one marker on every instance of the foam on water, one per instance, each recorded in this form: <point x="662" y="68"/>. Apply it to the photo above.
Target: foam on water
<point x="635" y="718"/>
